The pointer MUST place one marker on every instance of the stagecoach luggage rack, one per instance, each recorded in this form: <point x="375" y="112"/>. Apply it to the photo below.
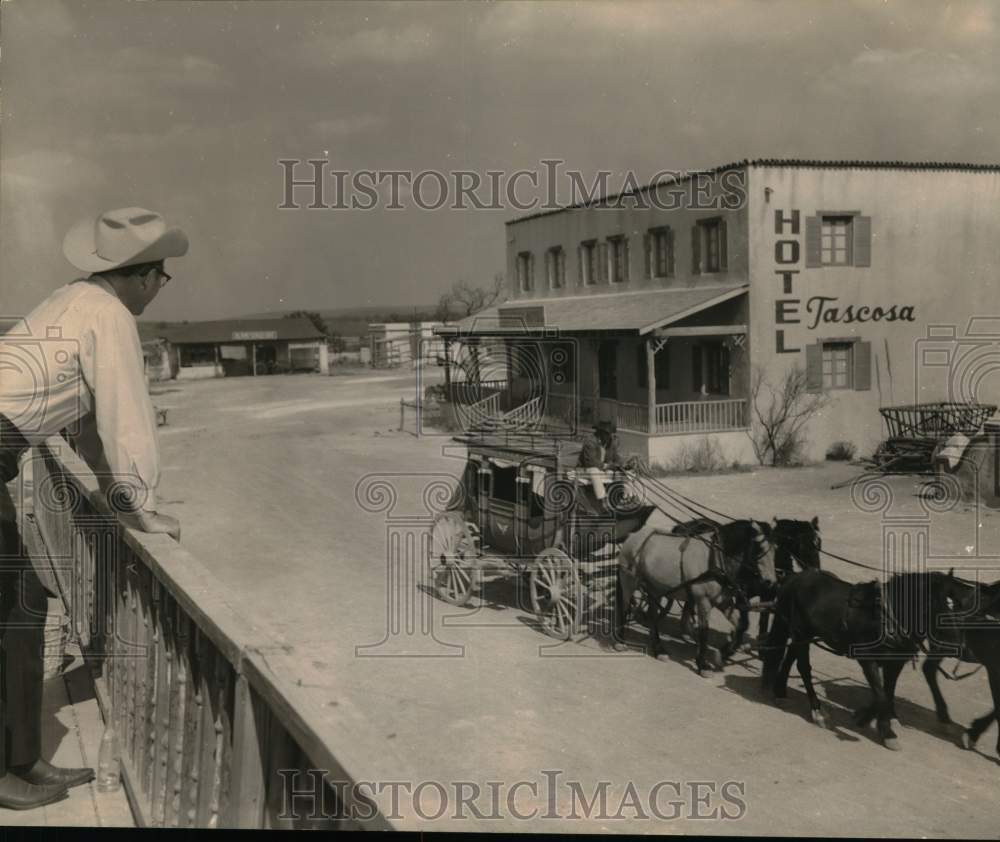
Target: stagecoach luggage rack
<point x="935" y="420"/>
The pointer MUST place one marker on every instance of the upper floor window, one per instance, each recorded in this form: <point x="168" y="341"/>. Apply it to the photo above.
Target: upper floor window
<point x="708" y="246"/>
<point x="838" y="238"/>
<point x="525" y="271"/>
<point x="555" y="267"/>
<point x="589" y="271"/>
<point x="618" y="259"/>
<point x="660" y="252"/>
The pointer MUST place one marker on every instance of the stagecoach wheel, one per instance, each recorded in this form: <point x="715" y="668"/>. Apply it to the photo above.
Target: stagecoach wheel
<point x="453" y="559"/>
<point x="556" y="593"/>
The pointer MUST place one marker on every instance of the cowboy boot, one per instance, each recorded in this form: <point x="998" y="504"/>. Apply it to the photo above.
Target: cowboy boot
<point x="43" y="773"/>
<point x="17" y="794"/>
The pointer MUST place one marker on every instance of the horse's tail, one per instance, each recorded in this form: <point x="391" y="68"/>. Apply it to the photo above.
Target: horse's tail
<point x="773" y="649"/>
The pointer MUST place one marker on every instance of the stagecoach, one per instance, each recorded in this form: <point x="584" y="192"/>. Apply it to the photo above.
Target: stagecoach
<point x="523" y="506"/>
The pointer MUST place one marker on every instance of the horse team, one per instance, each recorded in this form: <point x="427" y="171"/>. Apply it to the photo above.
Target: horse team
<point x="882" y="625"/>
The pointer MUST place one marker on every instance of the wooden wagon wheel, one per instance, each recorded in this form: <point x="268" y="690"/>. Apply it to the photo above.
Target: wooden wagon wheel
<point x="556" y="593"/>
<point x="454" y="558"/>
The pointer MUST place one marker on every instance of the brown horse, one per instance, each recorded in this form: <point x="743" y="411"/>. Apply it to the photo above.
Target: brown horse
<point x="693" y="568"/>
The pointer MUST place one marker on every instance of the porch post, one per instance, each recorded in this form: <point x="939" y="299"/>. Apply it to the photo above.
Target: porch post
<point x="508" y="400"/>
<point x="651" y="383"/>
<point x="447" y="367"/>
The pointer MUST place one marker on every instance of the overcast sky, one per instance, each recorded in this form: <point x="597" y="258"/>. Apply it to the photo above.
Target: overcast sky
<point x="186" y="107"/>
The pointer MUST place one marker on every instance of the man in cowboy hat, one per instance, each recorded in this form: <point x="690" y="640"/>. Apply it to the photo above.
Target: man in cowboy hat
<point x="75" y="362"/>
<point x="600" y="453"/>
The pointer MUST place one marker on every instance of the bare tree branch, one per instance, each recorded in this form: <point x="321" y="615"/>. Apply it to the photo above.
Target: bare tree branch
<point x="782" y="412"/>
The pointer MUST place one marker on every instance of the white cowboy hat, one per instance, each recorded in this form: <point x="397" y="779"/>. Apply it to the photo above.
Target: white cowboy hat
<point x="122" y="237"/>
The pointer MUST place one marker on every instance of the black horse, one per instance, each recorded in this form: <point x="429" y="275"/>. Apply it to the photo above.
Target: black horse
<point x="880" y="625"/>
<point x="978" y="637"/>
<point x="795" y="541"/>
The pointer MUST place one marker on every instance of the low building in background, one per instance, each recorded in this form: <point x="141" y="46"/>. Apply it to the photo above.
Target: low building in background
<point x="244" y="347"/>
<point x="393" y="344"/>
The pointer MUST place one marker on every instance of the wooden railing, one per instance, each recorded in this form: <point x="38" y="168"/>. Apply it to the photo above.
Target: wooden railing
<point x="701" y="416"/>
<point x="466" y="392"/>
<point x="633" y="416"/>
<point x="526" y="414"/>
<point x="207" y="706"/>
<point x="482" y="412"/>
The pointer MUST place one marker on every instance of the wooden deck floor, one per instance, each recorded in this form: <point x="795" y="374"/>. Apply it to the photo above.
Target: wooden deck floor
<point x="71" y="736"/>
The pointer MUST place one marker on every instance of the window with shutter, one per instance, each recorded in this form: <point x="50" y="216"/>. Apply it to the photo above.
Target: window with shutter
<point x="555" y="267"/>
<point x="589" y="263"/>
<point x="838" y="238"/>
<point x="525" y="271"/>
<point x="661" y="252"/>
<point x="708" y="239"/>
<point x="602" y="263"/>
<point x="696" y="249"/>
<point x="617" y="259"/>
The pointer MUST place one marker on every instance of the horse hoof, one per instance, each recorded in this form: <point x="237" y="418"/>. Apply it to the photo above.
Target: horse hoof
<point x="819" y="718"/>
<point x="619" y="646"/>
<point x="967" y="742"/>
<point x="891" y="743"/>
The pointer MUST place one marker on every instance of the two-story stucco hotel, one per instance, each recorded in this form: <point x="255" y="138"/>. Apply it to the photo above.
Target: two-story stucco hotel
<point x="879" y="280"/>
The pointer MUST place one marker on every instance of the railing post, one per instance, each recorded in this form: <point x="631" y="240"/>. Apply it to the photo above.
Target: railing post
<point x="247" y="784"/>
<point x="651" y="384"/>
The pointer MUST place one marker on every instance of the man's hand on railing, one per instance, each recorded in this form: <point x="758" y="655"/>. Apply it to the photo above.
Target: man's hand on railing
<point x="153" y="522"/>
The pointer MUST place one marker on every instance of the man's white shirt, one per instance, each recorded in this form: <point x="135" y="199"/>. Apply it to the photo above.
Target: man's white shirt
<point x="76" y="362"/>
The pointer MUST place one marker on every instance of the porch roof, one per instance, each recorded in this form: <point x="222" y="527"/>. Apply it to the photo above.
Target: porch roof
<point x="641" y="312"/>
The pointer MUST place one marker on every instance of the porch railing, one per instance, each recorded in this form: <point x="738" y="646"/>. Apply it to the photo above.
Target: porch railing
<point x="468" y="392"/>
<point x="207" y="707"/>
<point x="701" y="416"/>
<point x="706" y="416"/>
<point x="524" y="415"/>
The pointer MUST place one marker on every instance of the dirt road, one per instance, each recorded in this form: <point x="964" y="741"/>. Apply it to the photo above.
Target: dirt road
<point x="263" y="475"/>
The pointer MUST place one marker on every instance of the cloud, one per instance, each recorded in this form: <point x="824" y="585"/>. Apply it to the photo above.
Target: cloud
<point x="388" y="46"/>
<point x="36" y="185"/>
<point x="163" y="70"/>
<point x="915" y="72"/>
<point x="340" y="127"/>
<point x="51" y="19"/>
<point x="599" y="28"/>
